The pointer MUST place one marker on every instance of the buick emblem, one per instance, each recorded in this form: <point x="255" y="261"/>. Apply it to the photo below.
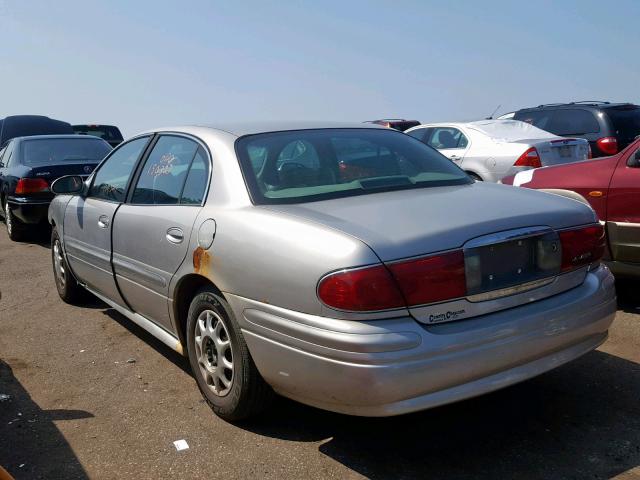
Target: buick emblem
<point x="87" y="169"/>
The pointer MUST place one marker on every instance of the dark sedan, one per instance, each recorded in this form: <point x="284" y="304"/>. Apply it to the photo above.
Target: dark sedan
<point x="28" y="165"/>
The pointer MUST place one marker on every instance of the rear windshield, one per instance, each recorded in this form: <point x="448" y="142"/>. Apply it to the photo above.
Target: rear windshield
<point x="626" y="122"/>
<point x="306" y="165"/>
<point x="105" y="132"/>
<point x="63" y="150"/>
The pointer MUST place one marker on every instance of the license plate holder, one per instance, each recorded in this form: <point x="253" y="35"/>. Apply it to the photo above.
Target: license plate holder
<point x="511" y="262"/>
<point x="564" y="151"/>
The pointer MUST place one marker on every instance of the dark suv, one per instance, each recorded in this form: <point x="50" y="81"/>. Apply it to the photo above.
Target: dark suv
<point x="609" y="127"/>
<point x="25" y="125"/>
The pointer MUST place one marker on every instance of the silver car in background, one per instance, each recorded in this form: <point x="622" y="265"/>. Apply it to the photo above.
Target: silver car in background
<point x="349" y="267"/>
<point x="490" y="150"/>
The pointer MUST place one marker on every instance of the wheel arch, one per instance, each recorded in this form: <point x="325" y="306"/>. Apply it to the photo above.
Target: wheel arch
<point x="183" y="293"/>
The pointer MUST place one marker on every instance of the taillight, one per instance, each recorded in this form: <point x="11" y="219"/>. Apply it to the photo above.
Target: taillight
<point x="31" y="185"/>
<point x="608" y="145"/>
<point x="530" y="158"/>
<point x="582" y="246"/>
<point x="431" y="279"/>
<point x="363" y="289"/>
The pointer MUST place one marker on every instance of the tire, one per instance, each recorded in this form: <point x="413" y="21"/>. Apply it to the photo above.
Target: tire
<point x="15" y="228"/>
<point x="237" y="390"/>
<point x="68" y="288"/>
<point x="474" y="176"/>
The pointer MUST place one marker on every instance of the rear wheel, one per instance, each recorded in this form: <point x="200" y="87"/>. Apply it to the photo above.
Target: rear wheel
<point x="68" y="289"/>
<point x="15" y="228"/>
<point x="220" y="360"/>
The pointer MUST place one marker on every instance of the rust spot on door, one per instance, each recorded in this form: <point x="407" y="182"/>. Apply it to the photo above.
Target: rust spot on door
<point x="201" y="261"/>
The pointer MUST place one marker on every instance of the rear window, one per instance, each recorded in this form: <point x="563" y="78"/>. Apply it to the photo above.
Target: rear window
<point x="573" y="122"/>
<point x="626" y="122"/>
<point x="61" y="150"/>
<point x="561" y="121"/>
<point x="106" y="132"/>
<point x="306" y="165"/>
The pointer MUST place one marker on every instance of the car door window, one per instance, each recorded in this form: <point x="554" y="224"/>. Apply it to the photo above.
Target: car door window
<point x="196" y="183"/>
<point x="447" y="137"/>
<point x="110" y="181"/>
<point x="573" y="122"/>
<point x="165" y="171"/>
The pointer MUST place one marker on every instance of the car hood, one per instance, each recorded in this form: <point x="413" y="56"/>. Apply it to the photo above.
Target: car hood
<point x="415" y="222"/>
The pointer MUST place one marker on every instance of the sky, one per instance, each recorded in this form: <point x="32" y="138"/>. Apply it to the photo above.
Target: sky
<point x="142" y="65"/>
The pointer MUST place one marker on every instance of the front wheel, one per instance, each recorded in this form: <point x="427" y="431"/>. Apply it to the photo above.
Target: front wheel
<point x="474" y="176"/>
<point x="68" y="289"/>
<point x="220" y="360"/>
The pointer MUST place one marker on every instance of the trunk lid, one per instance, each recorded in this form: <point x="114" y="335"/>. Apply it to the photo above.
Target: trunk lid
<point x="408" y="223"/>
<point x="509" y="239"/>
<point x="53" y="172"/>
<point x="559" y="150"/>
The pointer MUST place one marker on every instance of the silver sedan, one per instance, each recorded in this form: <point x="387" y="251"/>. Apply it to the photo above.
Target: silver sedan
<point x="490" y="150"/>
<point x="349" y="267"/>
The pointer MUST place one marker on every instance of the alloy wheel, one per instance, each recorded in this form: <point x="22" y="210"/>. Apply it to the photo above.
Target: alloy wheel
<point x="58" y="263"/>
<point x="7" y="218"/>
<point x="214" y="352"/>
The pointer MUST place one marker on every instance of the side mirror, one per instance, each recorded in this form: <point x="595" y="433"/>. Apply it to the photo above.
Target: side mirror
<point x="68" y="185"/>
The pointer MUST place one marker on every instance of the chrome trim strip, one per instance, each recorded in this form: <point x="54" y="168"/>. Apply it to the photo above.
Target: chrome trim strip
<point x="504" y="292"/>
<point x="505" y="236"/>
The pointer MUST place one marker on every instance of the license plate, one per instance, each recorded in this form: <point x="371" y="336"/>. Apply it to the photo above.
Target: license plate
<point x="565" y="151"/>
<point x="510" y="263"/>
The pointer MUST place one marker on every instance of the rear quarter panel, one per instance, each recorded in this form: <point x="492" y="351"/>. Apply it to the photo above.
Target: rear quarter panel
<point x="272" y="258"/>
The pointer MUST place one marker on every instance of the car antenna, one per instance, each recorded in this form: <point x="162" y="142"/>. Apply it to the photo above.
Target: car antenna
<point x="490" y="117"/>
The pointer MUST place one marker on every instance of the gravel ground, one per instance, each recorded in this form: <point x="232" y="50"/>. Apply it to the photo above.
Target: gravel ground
<point x="94" y="396"/>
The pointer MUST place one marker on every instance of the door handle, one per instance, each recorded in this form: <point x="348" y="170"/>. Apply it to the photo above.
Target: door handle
<point x="103" y="221"/>
<point x="455" y="157"/>
<point x="175" y="235"/>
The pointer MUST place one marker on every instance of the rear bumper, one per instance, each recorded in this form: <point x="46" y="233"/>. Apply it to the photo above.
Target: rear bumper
<point x="29" y="210"/>
<point x="391" y="367"/>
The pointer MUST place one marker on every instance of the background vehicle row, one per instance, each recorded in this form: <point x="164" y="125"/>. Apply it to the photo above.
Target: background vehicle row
<point x="492" y="149"/>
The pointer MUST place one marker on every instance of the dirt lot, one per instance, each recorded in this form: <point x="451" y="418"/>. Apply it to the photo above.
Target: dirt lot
<point x="94" y="396"/>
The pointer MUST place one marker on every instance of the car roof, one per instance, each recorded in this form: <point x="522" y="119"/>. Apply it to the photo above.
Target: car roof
<point x="240" y="129"/>
<point x="573" y="105"/>
<point x="49" y="137"/>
